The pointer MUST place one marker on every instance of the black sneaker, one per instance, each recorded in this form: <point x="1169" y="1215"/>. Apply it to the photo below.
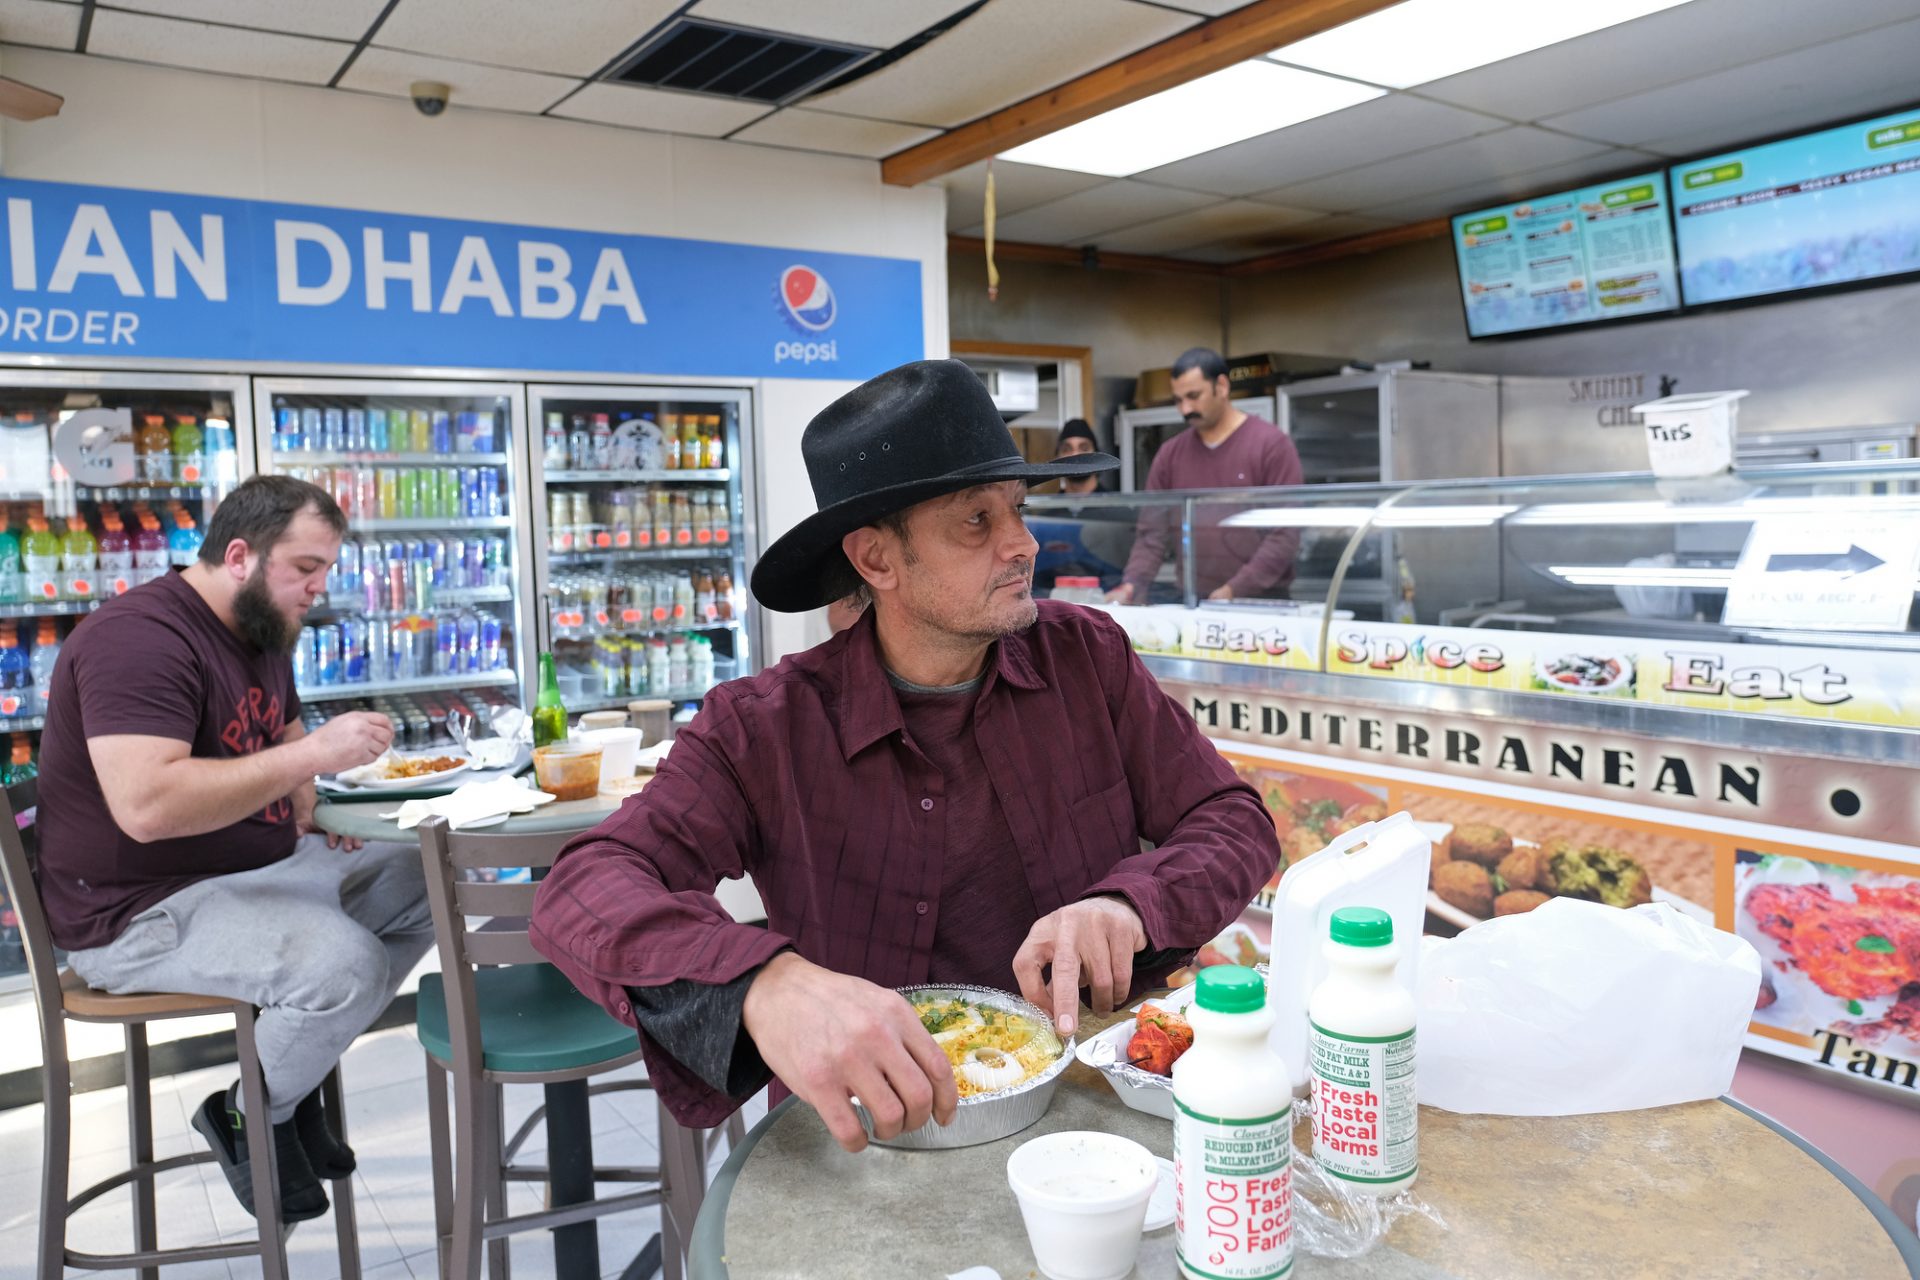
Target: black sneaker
<point x="225" y="1129"/>
<point x="330" y="1157"/>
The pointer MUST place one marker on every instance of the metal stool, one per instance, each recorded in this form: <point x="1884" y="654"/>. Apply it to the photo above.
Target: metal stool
<point x="60" y="995"/>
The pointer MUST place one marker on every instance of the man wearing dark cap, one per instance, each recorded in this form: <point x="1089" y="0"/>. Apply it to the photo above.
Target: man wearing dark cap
<point x="1077" y="439"/>
<point x="899" y="797"/>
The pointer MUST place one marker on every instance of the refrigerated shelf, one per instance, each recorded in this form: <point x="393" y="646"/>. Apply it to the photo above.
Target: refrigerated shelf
<point x="22" y="724"/>
<point x="118" y="492"/>
<point x="712" y="551"/>
<point x="716" y="475"/>
<point x="420" y="524"/>
<point x="296" y="457"/>
<point x="441" y="596"/>
<point x="692" y="693"/>
<point x="429" y="684"/>
<point x="48" y="608"/>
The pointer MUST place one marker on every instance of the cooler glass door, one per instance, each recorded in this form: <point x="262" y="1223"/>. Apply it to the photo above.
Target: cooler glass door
<point x="426" y="610"/>
<point x="642" y="539"/>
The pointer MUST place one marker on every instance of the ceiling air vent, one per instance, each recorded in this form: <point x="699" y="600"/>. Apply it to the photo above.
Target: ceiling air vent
<point x="735" y="62"/>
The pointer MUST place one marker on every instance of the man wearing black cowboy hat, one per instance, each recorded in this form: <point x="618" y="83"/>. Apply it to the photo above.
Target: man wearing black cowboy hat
<point x="899" y="797"/>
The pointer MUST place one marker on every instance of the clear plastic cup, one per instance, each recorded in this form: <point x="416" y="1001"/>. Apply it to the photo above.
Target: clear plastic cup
<point x="1083" y="1196"/>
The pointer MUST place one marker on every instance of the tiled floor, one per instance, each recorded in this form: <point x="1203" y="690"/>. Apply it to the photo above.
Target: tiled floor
<point x="393" y="1191"/>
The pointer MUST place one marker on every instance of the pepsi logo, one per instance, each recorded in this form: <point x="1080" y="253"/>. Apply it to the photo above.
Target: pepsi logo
<point x="808" y="298"/>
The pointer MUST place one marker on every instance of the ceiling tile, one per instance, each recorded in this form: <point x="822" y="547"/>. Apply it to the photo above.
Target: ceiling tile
<point x="1231" y="220"/>
<point x="390" y="72"/>
<point x="1493" y="155"/>
<point x="1856" y="75"/>
<point x="842" y="135"/>
<point x="1081" y="218"/>
<point x="1498" y="189"/>
<point x="570" y="37"/>
<point x="879" y="24"/>
<point x="39" y="22"/>
<point x="1009" y="50"/>
<point x="337" y="19"/>
<point x="659" y="109"/>
<point x="200" y="47"/>
<point x="1376" y="130"/>
<point x="1015" y="187"/>
<point x="1662" y="48"/>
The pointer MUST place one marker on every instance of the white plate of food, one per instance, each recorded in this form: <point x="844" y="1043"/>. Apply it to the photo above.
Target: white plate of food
<point x="393" y="772"/>
<point x="1587" y="673"/>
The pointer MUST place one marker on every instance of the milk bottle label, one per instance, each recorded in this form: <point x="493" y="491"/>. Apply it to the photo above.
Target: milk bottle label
<point x="1234" y="1217"/>
<point x="1364" y="1114"/>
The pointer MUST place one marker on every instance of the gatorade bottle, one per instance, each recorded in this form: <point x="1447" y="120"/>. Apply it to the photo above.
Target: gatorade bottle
<point x="46" y="652"/>
<point x="16" y="676"/>
<point x="154" y="445"/>
<point x="189" y="443"/>
<point x="22" y="766"/>
<point x="79" y="560"/>
<point x="116" y="555"/>
<point x="1360" y="1058"/>
<point x="40" y="552"/>
<point x="1232" y="1136"/>
<point x="183" y="544"/>
<point x="11" y="580"/>
<point x="149" y="549"/>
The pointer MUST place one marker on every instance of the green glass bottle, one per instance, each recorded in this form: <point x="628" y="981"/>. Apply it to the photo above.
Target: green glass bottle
<point x="549" y="713"/>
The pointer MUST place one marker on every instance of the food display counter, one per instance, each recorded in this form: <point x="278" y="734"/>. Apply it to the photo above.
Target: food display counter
<point x="1611" y="687"/>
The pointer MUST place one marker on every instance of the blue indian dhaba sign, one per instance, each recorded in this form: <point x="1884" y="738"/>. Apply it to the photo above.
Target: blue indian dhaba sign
<point x="101" y="271"/>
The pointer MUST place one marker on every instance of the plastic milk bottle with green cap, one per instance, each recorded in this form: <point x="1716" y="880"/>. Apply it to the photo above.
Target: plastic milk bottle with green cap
<point x="1360" y="1058"/>
<point x="1232" y="1136"/>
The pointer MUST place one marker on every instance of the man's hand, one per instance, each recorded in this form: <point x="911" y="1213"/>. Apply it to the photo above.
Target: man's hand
<point x="1095" y="939"/>
<point x="1122" y="594"/>
<point x="830" y="1037"/>
<point x="1222" y="592"/>
<point x="348" y="741"/>
<point x="304" y="825"/>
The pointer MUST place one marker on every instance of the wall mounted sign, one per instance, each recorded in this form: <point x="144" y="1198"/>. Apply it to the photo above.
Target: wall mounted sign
<point x="101" y="271"/>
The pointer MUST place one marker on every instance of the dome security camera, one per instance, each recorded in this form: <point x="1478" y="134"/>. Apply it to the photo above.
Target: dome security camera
<point x="429" y="97"/>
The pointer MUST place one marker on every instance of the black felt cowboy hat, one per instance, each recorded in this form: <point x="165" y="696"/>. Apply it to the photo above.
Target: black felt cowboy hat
<point x="917" y="432"/>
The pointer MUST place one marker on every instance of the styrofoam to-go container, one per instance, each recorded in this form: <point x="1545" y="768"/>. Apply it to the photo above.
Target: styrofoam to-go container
<point x="1083" y="1197"/>
<point x="619" y="753"/>
<point x="1384" y="864"/>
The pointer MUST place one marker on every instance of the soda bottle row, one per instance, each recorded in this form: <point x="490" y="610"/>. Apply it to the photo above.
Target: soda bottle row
<point x="416" y="646"/>
<point x="75" y="564"/>
<point x="410" y="493"/>
<point x="419" y="719"/>
<point x="656" y="517"/>
<point x="581" y="606"/>
<point x="624" y="441"/>
<point x="380" y="429"/>
<point x="403" y="575"/>
<point x="26" y="679"/>
<point x="190" y="451"/>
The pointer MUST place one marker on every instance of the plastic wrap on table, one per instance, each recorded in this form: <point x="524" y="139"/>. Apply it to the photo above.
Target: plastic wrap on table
<point x="1332" y="1219"/>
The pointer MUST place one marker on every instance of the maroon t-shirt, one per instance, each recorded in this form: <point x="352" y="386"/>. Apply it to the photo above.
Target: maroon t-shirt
<point x="156" y="661"/>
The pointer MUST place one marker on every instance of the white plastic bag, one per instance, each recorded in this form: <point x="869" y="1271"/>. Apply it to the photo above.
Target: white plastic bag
<point x="1577" y="1007"/>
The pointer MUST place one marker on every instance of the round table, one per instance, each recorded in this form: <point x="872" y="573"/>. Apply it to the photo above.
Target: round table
<point x="1708" y="1189"/>
<point x="360" y="818"/>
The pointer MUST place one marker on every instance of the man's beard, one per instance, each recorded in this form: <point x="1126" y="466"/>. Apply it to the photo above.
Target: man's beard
<point x="259" y="620"/>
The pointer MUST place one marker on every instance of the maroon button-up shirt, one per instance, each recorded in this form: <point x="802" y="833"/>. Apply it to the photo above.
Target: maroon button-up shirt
<point x="803" y="777"/>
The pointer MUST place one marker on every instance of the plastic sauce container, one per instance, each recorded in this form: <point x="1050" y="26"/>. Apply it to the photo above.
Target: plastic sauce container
<point x="569" y="770"/>
<point x="1084" y="1199"/>
<point x="1232" y="1136"/>
<point x="1360" y="1058"/>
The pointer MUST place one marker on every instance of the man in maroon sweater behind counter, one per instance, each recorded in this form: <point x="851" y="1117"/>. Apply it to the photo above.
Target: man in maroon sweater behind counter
<point x="953" y="789"/>
<point x="1222" y="448"/>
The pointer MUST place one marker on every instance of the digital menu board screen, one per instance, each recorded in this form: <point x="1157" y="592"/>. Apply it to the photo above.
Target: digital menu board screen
<point x="1603" y="252"/>
<point x="1829" y="208"/>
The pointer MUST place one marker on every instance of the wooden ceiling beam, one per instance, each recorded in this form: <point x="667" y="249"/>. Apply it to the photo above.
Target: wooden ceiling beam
<point x="1329" y="250"/>
<point x="1066" y="256"/>
<point x="1247" y="32"/>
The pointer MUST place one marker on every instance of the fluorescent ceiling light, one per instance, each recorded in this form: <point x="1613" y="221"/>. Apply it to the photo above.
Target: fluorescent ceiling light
<point x="1422" y="40"/>
<point x="1243" y="101"/>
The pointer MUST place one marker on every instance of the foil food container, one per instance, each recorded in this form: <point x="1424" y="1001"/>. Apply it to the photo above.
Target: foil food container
<point x="984" y="1117"/>
<point x="1107" y="1054"/>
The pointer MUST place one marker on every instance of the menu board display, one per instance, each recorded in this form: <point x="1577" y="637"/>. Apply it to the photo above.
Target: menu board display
<point x="1827" y="208"/>
<point x="1603" y="252"/>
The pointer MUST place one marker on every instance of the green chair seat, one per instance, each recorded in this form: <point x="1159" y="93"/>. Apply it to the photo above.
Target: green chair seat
<point x="531" y="1019"/>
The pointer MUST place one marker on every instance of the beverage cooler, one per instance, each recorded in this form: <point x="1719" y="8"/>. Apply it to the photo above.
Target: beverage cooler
<point x="151" y="455"/>
<point x="426" y="610"/>
<point x="642" y="535"/>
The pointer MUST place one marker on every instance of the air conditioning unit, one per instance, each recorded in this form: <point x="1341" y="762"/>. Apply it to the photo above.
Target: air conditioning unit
<point x="1015" y="389"/>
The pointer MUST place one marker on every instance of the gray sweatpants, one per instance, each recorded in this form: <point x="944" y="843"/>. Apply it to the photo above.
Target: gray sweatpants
<point x="318" y="941"/>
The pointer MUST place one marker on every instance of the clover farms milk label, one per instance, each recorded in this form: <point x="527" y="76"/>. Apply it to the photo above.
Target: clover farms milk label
<point x="1365" y="1121"/>
<point x="1233" y="1215"/>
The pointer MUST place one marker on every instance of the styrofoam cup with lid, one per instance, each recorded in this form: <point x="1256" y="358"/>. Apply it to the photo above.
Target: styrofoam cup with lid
<point x="1083" y="1196"/>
